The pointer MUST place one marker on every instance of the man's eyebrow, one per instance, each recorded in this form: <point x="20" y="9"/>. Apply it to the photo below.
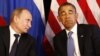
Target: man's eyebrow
<point x="62" y="11"/>
<point x="71" y="10"/>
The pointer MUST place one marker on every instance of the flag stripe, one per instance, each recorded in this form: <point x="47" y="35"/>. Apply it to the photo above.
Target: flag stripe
<point x="53" y="23"/>
<point x="48" y="41"/>
<point x="55" y="12"/>
<point x="61" y="1"/>
<point x="96" y="11"/>
<point x="41" y="9"/>
<point x="81" y="18"/>
<point x="98" y="2"/>
<point x="49" y="34"/>
<point x="2" y="21"/>
<point x="47" y="47"/>
<point x="87" y="12"/>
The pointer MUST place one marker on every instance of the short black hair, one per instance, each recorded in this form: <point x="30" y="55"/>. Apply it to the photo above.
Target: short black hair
<point x="64" y="4"/>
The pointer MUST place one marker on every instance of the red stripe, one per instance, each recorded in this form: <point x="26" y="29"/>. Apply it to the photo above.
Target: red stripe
<point x="53" y="23"/>
<point x="87" y="12"/>
<point x="56" y="28"/>
<point x="47" y="47"/>
<point x="98" y="2"/>
<point x="61" y="1"/>
<point x="2" y="21"/>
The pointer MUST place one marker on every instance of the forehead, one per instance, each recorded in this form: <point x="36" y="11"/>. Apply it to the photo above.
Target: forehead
<point x="67" y="7"/>
<point x="26" y="14"/>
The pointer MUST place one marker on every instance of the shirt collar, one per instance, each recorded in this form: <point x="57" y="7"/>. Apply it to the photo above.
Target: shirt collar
<point x="74" y="29"/>
<point x="12" y="31"/>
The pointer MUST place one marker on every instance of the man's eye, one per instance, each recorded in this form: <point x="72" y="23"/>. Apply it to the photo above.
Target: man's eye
<point x="63" y="14"/>
<point x="28" y="20"/>
<point x="70" y="12"/>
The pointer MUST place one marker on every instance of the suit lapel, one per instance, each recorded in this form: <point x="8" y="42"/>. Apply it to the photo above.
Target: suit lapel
<point x="81" y="39"/>
<point x="63" y="42"/>
<point x="23" y="42"/>
<point x="81" y="36"/>
<point x="6" y="39"/>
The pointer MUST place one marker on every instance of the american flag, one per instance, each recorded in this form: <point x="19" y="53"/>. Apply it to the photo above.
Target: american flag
<point x="88" y="12"/>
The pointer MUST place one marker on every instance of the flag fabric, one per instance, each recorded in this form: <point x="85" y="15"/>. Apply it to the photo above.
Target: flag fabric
<point x="2" y="22"/>
<point x="88" y="12"/>
<point x="38" y="19"/>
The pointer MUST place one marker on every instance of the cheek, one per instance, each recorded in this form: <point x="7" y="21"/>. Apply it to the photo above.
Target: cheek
<point x="22" y="25"/>
<point x="24" y="22"/>
<point x="73" y="18"/>
<point x="62" y="19"/>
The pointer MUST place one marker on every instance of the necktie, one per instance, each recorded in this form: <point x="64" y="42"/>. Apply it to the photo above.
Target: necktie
<point x="70" y="45"/>
<point x="14" y="47"/>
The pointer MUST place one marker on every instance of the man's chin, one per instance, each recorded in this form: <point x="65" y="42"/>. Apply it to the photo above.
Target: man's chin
<point x="25" y="31"/>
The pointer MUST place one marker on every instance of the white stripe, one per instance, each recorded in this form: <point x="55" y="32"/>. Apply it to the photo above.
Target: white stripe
<point x="49" y="34"/>
<point x="81" y="17"/>
<point x="39" y="4"/>
<point x="94" y="9"/>
<point x="54" y="9"/>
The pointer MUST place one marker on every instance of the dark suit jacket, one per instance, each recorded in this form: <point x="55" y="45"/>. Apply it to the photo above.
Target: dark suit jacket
<point x="26" y="44"/>
<point x="88" y="39"/>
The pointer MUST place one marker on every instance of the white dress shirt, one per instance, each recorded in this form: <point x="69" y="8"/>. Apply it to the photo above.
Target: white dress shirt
<point x="75" y="38"/>
<point x="12" y="37"/>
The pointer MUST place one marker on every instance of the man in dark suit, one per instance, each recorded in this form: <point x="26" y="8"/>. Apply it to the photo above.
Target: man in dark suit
<point x="19" y="24"/>
<point x="85" y="38"/>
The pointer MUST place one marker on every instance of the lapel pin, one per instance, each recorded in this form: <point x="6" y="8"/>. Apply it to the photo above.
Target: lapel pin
<point x="81" y="36"/>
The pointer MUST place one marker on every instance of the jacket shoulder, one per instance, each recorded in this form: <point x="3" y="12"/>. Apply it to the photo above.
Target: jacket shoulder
<point x="28" y="37"/>
<point x="87" y="25"/>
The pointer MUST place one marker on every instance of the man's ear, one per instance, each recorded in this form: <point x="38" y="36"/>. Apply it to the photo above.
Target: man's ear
<point x="15" y="19"/>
